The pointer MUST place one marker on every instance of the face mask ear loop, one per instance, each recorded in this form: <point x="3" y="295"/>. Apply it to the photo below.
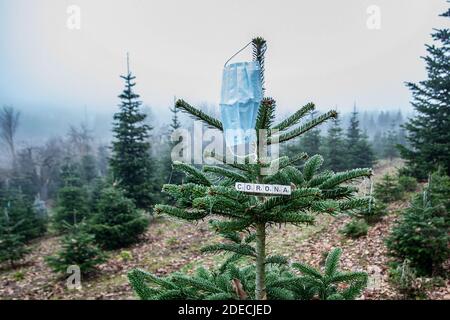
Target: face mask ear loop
<point x="234" y="55"/>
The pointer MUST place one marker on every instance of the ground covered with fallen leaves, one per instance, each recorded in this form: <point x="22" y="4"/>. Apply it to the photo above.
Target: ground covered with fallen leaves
<point x="170" y="245"/>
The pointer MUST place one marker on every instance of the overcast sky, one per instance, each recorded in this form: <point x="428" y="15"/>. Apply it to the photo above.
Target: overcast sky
<point x="320" y="51"/>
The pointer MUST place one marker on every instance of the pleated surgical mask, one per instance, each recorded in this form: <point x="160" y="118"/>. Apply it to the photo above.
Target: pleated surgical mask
<point x="240" y="100"/>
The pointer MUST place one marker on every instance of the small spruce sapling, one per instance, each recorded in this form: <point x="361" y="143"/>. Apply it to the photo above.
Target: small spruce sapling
<point x="78" y="248"/>
<point x="117" y="222"/>
<point x="388" y="189"/>
<point x="12" y="241"/>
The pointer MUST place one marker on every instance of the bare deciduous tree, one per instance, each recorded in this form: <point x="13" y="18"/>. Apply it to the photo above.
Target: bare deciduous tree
<point x="9" y="122"/>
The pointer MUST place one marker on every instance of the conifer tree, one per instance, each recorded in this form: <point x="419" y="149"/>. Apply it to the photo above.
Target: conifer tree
<point x="130" y="162"/>
<point x="78" y="248"/>
<point x="334" y="149"/>
<point x="12" y="240"/>
<point x="390" y="148"/>
<point x="168" y="174"/>
<point x="22" y="214"/>
<point x="421" y="235"/>
<point x="88" y="168"/>
<point x="117" y="223"/>
<point x="388" y="189"/>
<point x="234" y="214"/>
<point x="360" y="153"/>
<point x="428" y="132"/>
<point x="72" y="202"/>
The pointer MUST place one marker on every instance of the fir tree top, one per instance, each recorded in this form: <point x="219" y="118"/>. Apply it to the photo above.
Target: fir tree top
<point x="427" y="133"/>
<point x="130" y="161"/>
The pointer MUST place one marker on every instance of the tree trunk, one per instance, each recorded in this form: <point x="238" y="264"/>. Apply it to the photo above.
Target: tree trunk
<point x="261" y="262"/>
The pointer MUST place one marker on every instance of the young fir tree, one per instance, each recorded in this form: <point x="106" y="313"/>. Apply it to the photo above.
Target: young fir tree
<point x="359" y="151"/>
<point x="72" y="202"/>
<point x="388" y="189"/>
<point x="78" y="248"/>
<point x="421" y="235"/>
<point x="428" y="133"/>
<point x="334" y="149"/>
<point x="203" y="195"/>
<point x="117" y="223"/>
<point x="12" y="241"/>
<point x="21" y="213"/>
<point x="168" y="174"/>
<point x="130" y="161"/>
<point x="88" y="166"/>
<point x="390" y="150"/>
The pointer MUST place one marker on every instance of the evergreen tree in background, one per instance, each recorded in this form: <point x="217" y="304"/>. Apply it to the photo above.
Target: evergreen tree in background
<point x="243" y="219"/>
<point x="103" y="159"/>
<point x="22" y="215"/>
<point x="88" y="168"/>
<point x="72" y="203"/>
<point x="168" y="174"/>
<point x="310" y="141"/>
<point x="130" y="162"/>
<point x="390" y="148"/>
<point x="359" y="151"/>
<point x="334" y="149"/>
<point x="421" y="235"/>
<point x="117" y="223"/>
<point x="12" y="241"/>
<point x="428" y="132"/>
<point x="388" y="189"/>
<point x="78" y="248"/>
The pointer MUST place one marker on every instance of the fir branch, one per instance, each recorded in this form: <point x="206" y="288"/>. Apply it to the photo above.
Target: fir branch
<point x="192" y="172"/>
<point x="354" y="203"/>
<point x="240" y="249"/>
<point x="327" y="206"/>
<point x="277" y="259"/>
<point x="231" y="225"/>
<point x="283" y="137"/>
<point x="278" y="201"/>
<point x="198" y="114"/>
<point x="266" y="114"/>
<point x="230" y="193"/>
<point x="320" y="178"/>
<point x="234" y="176"/>
<point x="259" y="50"/>
<point x="218" y="202"/>
<point x="346" y="176"/>
<point x="221" y="158"/>
<point x="339" y="192"/>
<point x="180" y="213"/>
<point x="198" y="283"/>
<point x="307" y="270"/>
<point x="332" y="262"/>
<point x="295" y="218"/>
<point x="229" y="261"/>
<point x="312" y="166"/>
<point x="295" y="118"/>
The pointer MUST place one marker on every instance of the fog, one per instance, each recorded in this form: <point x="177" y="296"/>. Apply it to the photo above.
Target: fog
<point x="321" y="51"/>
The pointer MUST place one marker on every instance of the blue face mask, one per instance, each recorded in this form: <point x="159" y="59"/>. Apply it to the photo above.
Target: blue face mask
<point x="240" y="100"/>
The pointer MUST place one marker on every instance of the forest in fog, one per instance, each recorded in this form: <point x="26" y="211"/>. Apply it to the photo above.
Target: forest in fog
<point x="242" y="199"/>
